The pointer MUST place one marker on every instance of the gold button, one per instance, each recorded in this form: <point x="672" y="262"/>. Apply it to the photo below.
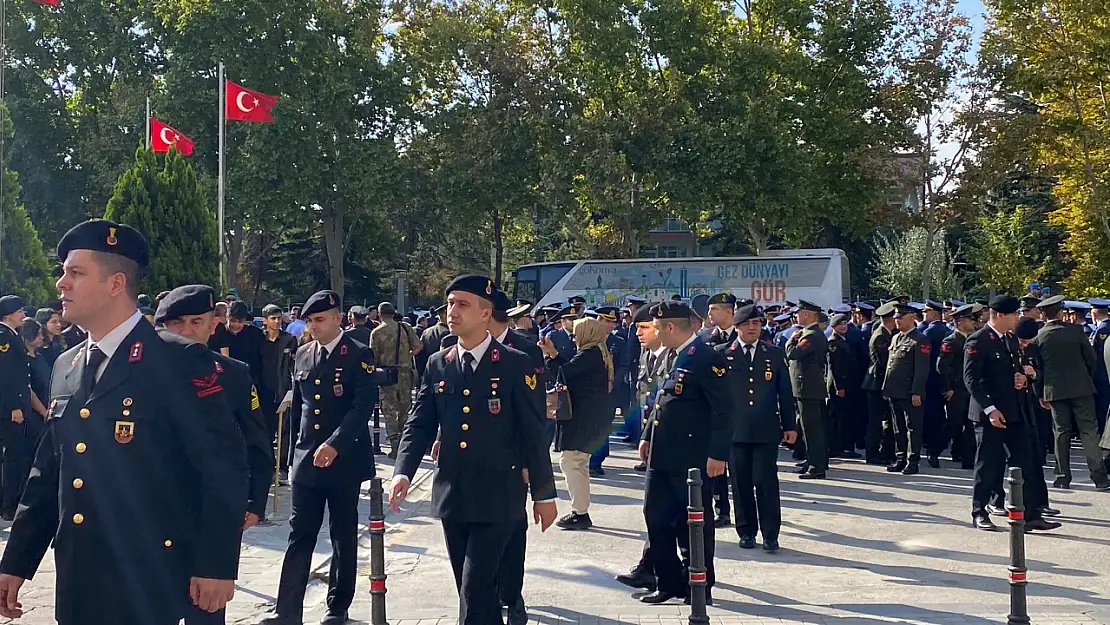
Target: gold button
<point x="127" y="413"/>
<point x="751" y="391"/>
<point x="494" y="393"/>
<point x="84" y="413"/>
<point x="317" y="382"/>
<point x="462" y="445"/>
<point x="751" y="403"/>
<point x="466" y="392"/>
<point x="81" y="448"/>
<point x="645" y="421"/>
<point x="127" y="401"/>
<point x="78" y="518"/>
<point x="751" y="379"/>
<point x="168" y="543"/>
<point x="316" y="427"/>
<point x="317" y="411"/>
<point x="316" y="397"/>
<point x="465" y="427"/>
<point x="78" y="482"/>
<point x="657" y="423"/>
<point x="646" y="407"/>
<point x="466" y="409"/>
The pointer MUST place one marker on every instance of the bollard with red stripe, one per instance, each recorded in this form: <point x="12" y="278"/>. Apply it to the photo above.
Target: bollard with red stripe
<point x="695" y="518"/>
<point x="1015" y="509"/>
<point x="377" y="437"/>
<point x="377" y="553"/>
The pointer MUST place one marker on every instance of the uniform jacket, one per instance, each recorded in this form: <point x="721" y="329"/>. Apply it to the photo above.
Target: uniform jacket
<point x="140" y="486"/>
<point x="391" y="349"/>
<point x="242" y="399"/>
<point x="618" y="349"/>
<point x="844" y="371"/>
<point x="782" y="337"/>
<point x="990" y="362"/>
<point x="1068" y="360"/>
<point x="15" y="375"/>
<point x="950" y="365"/>
<point x="806" y="350"/>
<point x="562" y="342"/>
<point x="878" y="351"/>
<point x="692" y="417"/>
<point x="73" y="336"/>
<point x="523" y="342"/>
<point x="433" y="337"/>
<point x="935" y="332"/>
<point x="489" y="431"/>
<point x="907" y="369"/>
<point x="716" y="336"/>
<point x="332" y="402"/>
<point x="857" y="342"/>
<point x="1098" y="341"/>
<point x="763" y="404"/>
<point x="632" y="356"/>
<point x="360" y="332"/>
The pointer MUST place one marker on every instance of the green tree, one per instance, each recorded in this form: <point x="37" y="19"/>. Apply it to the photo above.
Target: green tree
<point x="24" y="267"/>
<point x="900" y="261"/>
<point x="166" y="205"/>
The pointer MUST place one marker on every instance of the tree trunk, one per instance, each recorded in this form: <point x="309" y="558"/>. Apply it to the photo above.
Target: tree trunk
<point x="498" y="246"/>
<point x="234" y="253"/>
<point x="333" y="245"/>
<point x="758" y="238"/>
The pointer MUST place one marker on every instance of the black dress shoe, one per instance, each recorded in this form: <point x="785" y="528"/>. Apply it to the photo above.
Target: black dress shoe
<point x="1061" y="482"/>
<point x="1105" y="486"/>
<point x="659" y="596"/>
<point x="598" y="472"/>
<point x="983" y="522"/>
<point x="877" y="461"/>
<point x="770" y="546"/>
<point x="277" y="619"/>
<point x="640" y="467"/>
<point x="896" y="467"/>
<point x="747" y="542"/>
<point x="575" y="521"/>
<point x="850" y="455"/>
<point x="801" y="465"/>
<point x="708" y="597"/>
<point x="1046" y="511"/>
<point x="334" y="619"/>
<point x="638" y="578"/>
<point x="967" y="467"/>
<point x="911" y="469"/>
<point x="722" y="520"/>
<point x="934" y="461"/>
<point x="812" y="475"/>
<point x="995" y="510"/>
<point x="1041" y="525"/>
<point x="803" y="469"/>
<point x="518" y="615"/>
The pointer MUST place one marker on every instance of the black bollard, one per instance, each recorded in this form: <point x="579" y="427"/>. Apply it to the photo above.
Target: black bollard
<point x="378" y="430"/>
<point x="377" y="554"/>
<point x="1015" y="508"/>
<point x="695" y="518"/>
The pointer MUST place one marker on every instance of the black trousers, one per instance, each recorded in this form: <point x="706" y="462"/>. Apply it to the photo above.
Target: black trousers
<point x="196" y="616"/>
<point x="991" y="445"/>
<point x="304" y="527"/>
<point x="476" y="551"/>
<point x="880" y="427"/>
<point x="19" y="443"/>
<point x="960" y="430"/>
<point x="720" y="494"/>
<point x="510" y="579"/>
<point x="907" y="429"/>
<point x="811" y="415"/>
<point x="934" y="435"/>
<point x="842" y="424"/>
<point x="755" y="489"/>
<point x="665" y="512"/>
<point x="269" y="412"/>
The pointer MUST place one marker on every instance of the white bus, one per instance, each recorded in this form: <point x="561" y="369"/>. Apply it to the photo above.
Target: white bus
<point x="820" y="276"/>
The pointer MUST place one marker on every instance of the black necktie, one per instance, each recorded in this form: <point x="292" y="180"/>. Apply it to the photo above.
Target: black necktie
<point x="96" y="358"/>
<point x="468" y="363"/>
<point x="748" y="352"/>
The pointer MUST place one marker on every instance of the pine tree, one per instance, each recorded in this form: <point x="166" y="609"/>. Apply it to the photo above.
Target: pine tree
<point x="24" y="267"/>
<point x="167" y="206"/>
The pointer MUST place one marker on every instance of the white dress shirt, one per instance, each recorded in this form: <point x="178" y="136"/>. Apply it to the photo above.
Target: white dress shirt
<point x="112" y="340"/>
<point x="330" y="347"/>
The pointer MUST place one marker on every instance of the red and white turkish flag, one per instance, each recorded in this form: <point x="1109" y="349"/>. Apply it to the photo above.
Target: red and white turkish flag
<point x="162" y="137"/>
<point x="48" y="3"/>
<point x="248" y="105"/>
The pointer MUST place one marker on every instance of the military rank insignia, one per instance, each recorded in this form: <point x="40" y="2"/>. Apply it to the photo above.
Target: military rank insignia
<point x="255" y="402"/>
<point x="367" y="367"/>
<point x="494" y="355"/>
<point x="111" y="240"/>
<point x="720" y="371"/>
<point x="530" y="380"/>
<point x="125" y="431"/>
<point x="342" y="350"/>
<point x="926" y="348"/>
<point x="4" y="348"/>
<point x="495" y="405"/>
<point x="136" y="353"/>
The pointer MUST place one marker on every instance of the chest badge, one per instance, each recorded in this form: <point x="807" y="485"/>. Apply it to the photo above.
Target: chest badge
<point x="337" y="390"/>
<point x="678" y="388"/>
<point x="125" y="431"/>
<point x="495" y="405"/>
<point x="530" y="380"/>
<point x="767" y="376"/>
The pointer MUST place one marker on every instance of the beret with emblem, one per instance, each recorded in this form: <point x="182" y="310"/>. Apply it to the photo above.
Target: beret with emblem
<point x="723" y="298"/>
<point x="481" y="286"/>
<point x="671" y="309"/>
<point x="810" y="306"/>
<point x="321" y="301"/>
<point x="501" y="302"/>
<point x="1026" y="329"/>
<point x="1029" y="301"/>
<point x="9" y="304"/>
<point x="745" y="314"/>
<point x="101" y="235"/>
<point x="1005" y="304"/>
<point x="643" y="315"/>
<point x="191" y="299"/>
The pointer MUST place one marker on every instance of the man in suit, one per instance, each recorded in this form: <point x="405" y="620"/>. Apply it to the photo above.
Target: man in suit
<point x="188" y="311"/>
<point x="691" y="428"/>
<point x="880" y="420"/>
<point x="807" y="350"/>
<point x="950" y="367"/>
<point x="906" y="373"/>
<point x="933" y="437"/>
<point x="1068" y="368"/>
<point x="333" y="381"/>
<point x="125" y="403"/>
<point x="994" y="378"/>
<point x="478" y="395"/>
<point x="763" y="416"/>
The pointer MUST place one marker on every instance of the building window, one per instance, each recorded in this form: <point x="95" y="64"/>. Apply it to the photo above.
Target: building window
<point x="671" y="225"/>
<point x="671" y="251"/>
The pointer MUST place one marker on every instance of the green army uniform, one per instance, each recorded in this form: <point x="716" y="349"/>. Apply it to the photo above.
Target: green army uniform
<point x="907" y="371"/>
<point x="392" y="350"/>
<point x="807" y="352"/>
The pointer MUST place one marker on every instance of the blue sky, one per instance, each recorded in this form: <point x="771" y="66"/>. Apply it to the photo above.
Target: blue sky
<point x="974" y="9"/>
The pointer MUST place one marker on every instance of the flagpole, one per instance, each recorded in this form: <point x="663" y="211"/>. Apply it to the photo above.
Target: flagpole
<point x="148" y="122"/>
<point x="220" y="184"/>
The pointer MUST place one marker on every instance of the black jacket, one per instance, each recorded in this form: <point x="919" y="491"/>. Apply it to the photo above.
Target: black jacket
<point x="247" y="347"/>
<point x="950" y="365"/>
<point x="15" y="374"/>
<point x="277" y="367"/>
<point x="242" y="398"/>
<point x="990" y="362"/>
<point x="843" y="372"/>
<point x="592" y="412"/>
<point x="878" y="350"/>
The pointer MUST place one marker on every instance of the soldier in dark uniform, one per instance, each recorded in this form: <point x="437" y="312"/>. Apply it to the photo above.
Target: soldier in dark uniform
<point x="807" y="350"/>
<point x="995" y="378"/>
<point x="560" y="335"/>
<point x="950" y="367"/>
<point x="1100" y="316"/>
<point x="432" y="338"/>
<point x="360" y="326"/>
<point x="188" y="311"/>
<point x="906" y="373"/>
<point x="478" y="396"/>
<point x="630" y="433"/>
<point x="843" y="383"/>
<point x="722" y="309"/>
<point x="619" y="397"/>
<point x="1068" y="367"/>
<point x="333" y="382"/>
<point x="19" y="424"/>
<point x="691" y="428"/>
<point x="763" y="416"/>
<point x="1029" y="309"/>
<point x="127" y="403"/>
<point x="880" y="420"/>
<point x="934" y="432"/>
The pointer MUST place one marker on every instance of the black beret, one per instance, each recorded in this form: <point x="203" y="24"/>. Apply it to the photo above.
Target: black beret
<point x="1005" y="304"/>
<point x="745" y="314"/>
<point x="607" y="313"/>
<point x="9" y="304"/>
<point x="643" y="315"/>
<point x="810" y="306"/>
<point x="723" y="298"/>
<point x="192" y="299"/>
<point x="967" y="310"/>
<point x="1054" y="301"/>
<point x="321" y="301"/>
<point x="671" y="309"/>
<point x="481" y="286"/>
<point x="838" y="319"/>
<point x="501" y="302"/>
<point x="101" y="235"/>
<point x="239" y="310"/>
<point x="1026" y="329"/>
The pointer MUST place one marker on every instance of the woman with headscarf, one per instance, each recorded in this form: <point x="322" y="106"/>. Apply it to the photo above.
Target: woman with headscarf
<point x="588" y="376"/>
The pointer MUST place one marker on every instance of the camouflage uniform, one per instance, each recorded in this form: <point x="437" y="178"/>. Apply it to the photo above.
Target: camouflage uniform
<point x="396" y="400"/>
